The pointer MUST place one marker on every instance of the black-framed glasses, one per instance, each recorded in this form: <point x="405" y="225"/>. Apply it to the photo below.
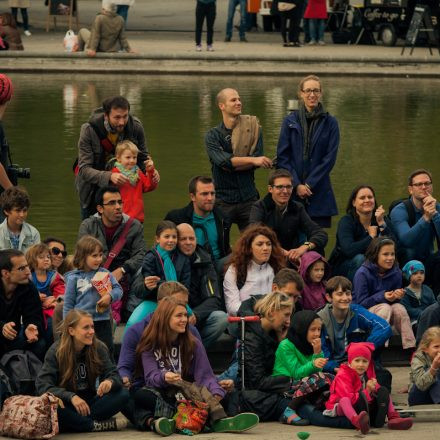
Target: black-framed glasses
<point x="56" y="251"/>
<point x="420" y="184"/>
<point x="113" y="203"/>
<point x="283" y="187"/>
<point x="316" y="92"/>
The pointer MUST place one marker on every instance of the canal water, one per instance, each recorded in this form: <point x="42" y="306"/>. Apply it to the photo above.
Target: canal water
<point x="388" y="128"/>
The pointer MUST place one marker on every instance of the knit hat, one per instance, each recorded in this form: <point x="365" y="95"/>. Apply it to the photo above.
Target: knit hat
<point x="412" y="267"/>
<point x="5" y="89"/>
<point x="362" y="349"/>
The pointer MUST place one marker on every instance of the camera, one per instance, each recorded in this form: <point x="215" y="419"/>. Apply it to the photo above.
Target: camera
<point x="16" y="171"/>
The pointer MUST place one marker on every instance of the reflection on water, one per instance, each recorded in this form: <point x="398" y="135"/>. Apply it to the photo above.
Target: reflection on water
<point x="388" y="128"/>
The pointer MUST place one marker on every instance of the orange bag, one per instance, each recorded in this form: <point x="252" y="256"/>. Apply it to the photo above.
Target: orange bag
<point x="191" y="416"/>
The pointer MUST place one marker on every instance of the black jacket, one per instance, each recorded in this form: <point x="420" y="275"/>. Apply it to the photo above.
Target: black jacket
<point x="430" y="317"/>
<point x="23" y="307"/>
<point x="204" y="293"/>
<point x="152" y="265"/>
<point x="185" y="215"/>
<point x="288" y="226"/>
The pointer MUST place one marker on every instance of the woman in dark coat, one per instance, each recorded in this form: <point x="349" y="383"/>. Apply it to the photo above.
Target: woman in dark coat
<point x="307" y="147"/>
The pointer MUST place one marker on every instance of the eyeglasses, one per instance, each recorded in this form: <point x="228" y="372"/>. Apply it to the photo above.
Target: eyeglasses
<point x="21" y="268"/>
<point x="420" y="184"/>
<point x="316" y="92"/>
<point x="113" y="203"/>
<point x="283" y="187"/>
<point x="57" y="251"/>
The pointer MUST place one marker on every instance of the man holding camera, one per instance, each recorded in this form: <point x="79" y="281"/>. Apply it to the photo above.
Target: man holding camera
<point x="5" y="96"/>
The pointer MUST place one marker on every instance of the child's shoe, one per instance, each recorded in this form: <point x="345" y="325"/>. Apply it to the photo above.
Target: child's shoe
<point x="361" y="422"/>
<point x="290" y="417"/>
<point x="239" y="423"/>
<point x="164" y="426"/>
<point x="397" y="422"/>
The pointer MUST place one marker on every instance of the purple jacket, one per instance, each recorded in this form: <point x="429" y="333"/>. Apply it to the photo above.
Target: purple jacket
<point x="369" y="287"/>
<point x="200" y="371"/>
<point x="127" y="356"/>
<point x="313" y="294"/>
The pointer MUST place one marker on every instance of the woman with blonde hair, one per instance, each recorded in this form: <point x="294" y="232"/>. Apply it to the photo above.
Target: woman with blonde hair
<point x="307" y="147"/>
<point x="78" y="370"/>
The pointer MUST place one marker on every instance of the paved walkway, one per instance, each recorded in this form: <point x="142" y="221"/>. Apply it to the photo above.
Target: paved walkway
<point x="162" y="35"/>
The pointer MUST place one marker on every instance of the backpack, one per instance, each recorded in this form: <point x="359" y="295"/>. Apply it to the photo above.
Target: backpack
<point x="29" y="417"/>
<point x="5" y="387"/>
<point x="22" y="367"/>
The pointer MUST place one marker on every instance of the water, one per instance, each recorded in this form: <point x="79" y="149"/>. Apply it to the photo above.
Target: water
<point x="389" y="127"/>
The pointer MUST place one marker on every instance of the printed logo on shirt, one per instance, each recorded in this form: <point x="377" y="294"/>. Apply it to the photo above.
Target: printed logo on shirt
<point x="82" y="285"/>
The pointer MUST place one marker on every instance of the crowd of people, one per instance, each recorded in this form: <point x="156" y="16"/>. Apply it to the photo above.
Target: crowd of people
<point x="313" y="356"/>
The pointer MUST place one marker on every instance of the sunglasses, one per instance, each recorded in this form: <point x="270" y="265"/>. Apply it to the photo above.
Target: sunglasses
<point x="57" y="251"/>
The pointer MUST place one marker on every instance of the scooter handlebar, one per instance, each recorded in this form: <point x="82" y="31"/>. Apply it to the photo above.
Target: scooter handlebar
<point x="243" y="318"/>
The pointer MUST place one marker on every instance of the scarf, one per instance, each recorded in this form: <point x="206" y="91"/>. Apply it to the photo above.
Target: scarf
<point x="297" y="333"/>
<point x="43" y="286"/>
<point x="131" y="174"/>
<point x="308" y="130"/>
<point x="168" y="266"/>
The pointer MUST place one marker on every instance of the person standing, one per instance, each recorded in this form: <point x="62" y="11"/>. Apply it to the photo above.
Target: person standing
<point x="232" y="6"/>
<point x="205" y="9"/>
<point x="316" y="14"/>
<point x="235" y="149"/>
<point x="122" y="7"/>
<point x="23" y="5"/>
<point x="307" y="147"/>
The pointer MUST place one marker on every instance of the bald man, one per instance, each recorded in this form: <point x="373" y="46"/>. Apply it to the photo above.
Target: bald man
<point x="205" y="297"/>
<point x="235" y="149"/>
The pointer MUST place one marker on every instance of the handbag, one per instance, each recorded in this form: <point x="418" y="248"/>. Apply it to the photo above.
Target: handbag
<point x="191" y="416"/>
<point x="284" y="6"/>
<point x="70" y="41"/>
<point x="30" y="417"/>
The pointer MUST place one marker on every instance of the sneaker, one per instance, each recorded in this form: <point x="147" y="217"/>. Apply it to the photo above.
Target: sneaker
<point x="210" y="48"/>
<point x="285" y="44"/>
<point x="290" y="417"/>
<point x="198" y="47"/>
<point x="27" y="33"/>
<point x="239" y="423"/>
<point x="321" y="42"/>
<point x="243" y="39"/>
<point x="297" y="44"/>
<point x="361" y="422"/>
<point x="400" y="423"/>
<point x="112" y="424"/>
<point x="311" y="43"/>
<point x="227" y="39"/>
<point x="164" y="426"/>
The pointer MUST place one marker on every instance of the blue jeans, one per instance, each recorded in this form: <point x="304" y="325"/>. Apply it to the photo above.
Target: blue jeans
<point x="122" y="10"/>
<point x="349" y="267"/>
<point x="213" y="327"/>
<point x="101" y="408"/>
<point x="317" y="26"/>
<point x="231" y="11"/>
<point x="428" y="397"/>
<point x="316" y="418"/>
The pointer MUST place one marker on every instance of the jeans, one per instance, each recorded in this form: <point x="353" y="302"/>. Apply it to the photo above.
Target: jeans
<point x="231" y="11"/>
<point x="203" y="11"/>
<point x="122" y="10"/>
<point x="101" y="408"/>
<point x="428" y="397"/>
<point x="213" y="327"/>
<point x="348" y="268"/>
<point x="24" y="16"/>
<point x="317" y="26"/>
<point x="20" y="343"/>
<point x="315" y="416"/>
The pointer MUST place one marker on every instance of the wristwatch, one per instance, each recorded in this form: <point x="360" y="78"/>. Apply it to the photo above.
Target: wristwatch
<point x="308" y="244"/>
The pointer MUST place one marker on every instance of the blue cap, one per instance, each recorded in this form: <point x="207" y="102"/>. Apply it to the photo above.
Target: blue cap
<point x="412" y="267"/>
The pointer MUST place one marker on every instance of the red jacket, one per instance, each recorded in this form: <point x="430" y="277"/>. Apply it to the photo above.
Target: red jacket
<point x="132" y="195"/>
<point x="347" y="383"/>
<point x="316" y="9"/>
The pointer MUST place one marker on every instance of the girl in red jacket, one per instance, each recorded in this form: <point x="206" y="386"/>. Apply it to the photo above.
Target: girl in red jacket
<point x="138" y="183"/>
<point x="356" y="394"/>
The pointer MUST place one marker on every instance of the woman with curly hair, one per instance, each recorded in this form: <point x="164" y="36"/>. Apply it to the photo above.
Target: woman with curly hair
<point x="256" y="258"/>
<point x="78" y="370"/>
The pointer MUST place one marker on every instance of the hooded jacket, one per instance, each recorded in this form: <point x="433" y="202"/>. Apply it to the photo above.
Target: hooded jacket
<point x="415" y="306"/>
<point x="288" y="226"/>
<point x="313" y="294"/>
<point x="430" y="317"/>
<point x="369" y="287"/>
<point x="360" y="326"/>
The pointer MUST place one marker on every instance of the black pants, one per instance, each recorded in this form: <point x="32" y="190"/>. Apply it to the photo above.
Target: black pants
<point x="377" y="409"/>
<point x="24" y="15"/>
<point x="205" y="11"/>
<point x="104" y="332"/>
<point x="294" y="18"/>
<point x="237" y="213"/>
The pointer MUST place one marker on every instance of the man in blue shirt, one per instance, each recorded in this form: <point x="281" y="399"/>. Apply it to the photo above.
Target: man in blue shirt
<point x="417" y="224"/>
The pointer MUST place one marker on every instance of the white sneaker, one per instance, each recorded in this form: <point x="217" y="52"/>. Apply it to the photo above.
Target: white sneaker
<point x="27" y="33"/>
<point x="198" y="47"/>
<point x="321" y="42"/>
<point x="311" y="43"/>
<point x="210" y="48"/>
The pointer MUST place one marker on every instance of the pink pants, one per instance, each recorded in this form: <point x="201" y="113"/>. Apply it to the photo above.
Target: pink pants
<point x="397" y="316"/>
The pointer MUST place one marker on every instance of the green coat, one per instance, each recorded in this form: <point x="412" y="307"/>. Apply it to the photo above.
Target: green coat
<point x="289" y="361"/>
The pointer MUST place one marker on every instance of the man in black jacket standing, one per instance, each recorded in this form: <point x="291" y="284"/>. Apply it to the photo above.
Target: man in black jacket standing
<point x="205" y="297"/>
<point x="21" y="313"/>
<point x="288" y="218"/>
<point x="209" y="222"/>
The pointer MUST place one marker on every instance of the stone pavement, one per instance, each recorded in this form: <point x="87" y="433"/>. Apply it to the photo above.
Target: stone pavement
<point x="162" y="34"/>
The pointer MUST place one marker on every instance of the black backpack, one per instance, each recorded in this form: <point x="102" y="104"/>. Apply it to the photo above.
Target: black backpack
<point x="22" y="367"/>
<point x="5" y="387"/>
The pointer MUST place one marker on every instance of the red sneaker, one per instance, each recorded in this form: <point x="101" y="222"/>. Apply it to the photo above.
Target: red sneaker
<point x="399" y="423"/>
<point x="362" y="422"/>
